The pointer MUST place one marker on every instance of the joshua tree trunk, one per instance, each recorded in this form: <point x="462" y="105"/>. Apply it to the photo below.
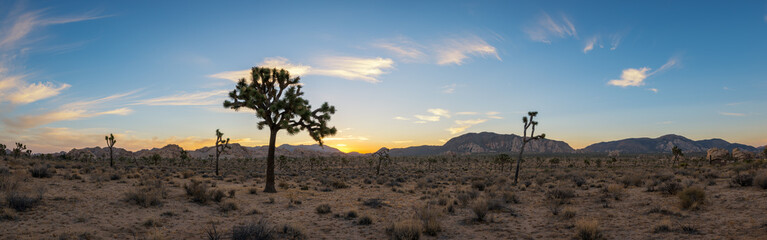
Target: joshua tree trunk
<point x="111" y="159"/>
<point x="217" y="154"/>
<point x="270" y="163"/>
<point x="519" y="159"/>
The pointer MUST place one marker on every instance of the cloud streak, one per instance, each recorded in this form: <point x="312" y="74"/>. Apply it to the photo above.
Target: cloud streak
<point x="462" y="125"/>
<point x="186" y="99"/>
<point x="457" y="50"/>
<point x="633" y="77"/>
<point x="351" y="68"/>
<point x="546" y="28"/>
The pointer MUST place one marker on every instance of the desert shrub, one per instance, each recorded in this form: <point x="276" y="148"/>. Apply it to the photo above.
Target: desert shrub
<point x="761" y="180"/>
<point x="212" y="233"/>
<point x="689" y="229"/>
<point x="290" y="231"/>
<point x="21" y="201"/>
<point x="561" y="194"/>
<point x="198" y="191"/>
<point x="480" y="208"/>
<point x="333" y="182"/>
<point x="429" y="216"/>
<point x="257" y="230"/>
<point x="217" y="195"/>
<point x="41" y="171"/>
<point x="365" y="220"/>
<point x="588" y="230"/>
<point x="614" y="191"/>
<point x="743" y="179"/>
<point x="228" y="206"/>
<point x="149" y="192"/>
<point x="691" y="198"/>
<point x="374" y="202"/>
<point x="187" y="173"/>
<point x="4" y="171"/>
<point x="152" y="223"/>
<point x="670" y="188"/>
<point x="351" y="215"/>
<point x="7" y="214"/>
<point x="253" y="191"/>
<point x="632" y="180"/>
<point x="77" y="236"/>
<point x="568" y="212"/>
<point x="408" y="229"/>
<point x="664" y="226"/>
<point x="323" y="209"/>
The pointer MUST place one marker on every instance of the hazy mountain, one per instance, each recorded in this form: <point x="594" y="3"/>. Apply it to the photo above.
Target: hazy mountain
<point x="235" y="151"/>
<point x="663" y="144"/>
<point x="486" y="142"/>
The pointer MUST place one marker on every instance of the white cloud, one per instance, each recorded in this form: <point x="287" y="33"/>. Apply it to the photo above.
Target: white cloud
<point x="590" y="44"/>
<point x="732" y="114"/>
<point x="425" y="118"/>
<point x="631" y="77"/>
<point x="462" y="125"/>
<point x="36" y="91"/>
<point x="456" y="50"/>
<point x="654" y="90"/>
<point x="439" y="112"/>
<point x="351" y="68"/>
<point x="547" y="27"/>
<point x="493" y="115"/>
<point x="402" y="47"/>
<point x="401" y="118"/>
<point x="187" y="99"/>
<point x="449" y="88"/>
<point x="24" y="24"/>
<point x="71" y="111"/>
<point x="615" y="41"/>
<point x="672" y="62"/>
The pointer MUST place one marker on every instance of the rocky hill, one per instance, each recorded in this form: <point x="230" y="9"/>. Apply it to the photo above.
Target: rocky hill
<point x="486" y="142"/>
<point x="236" y="151"/>
<point x="663" y="144"/>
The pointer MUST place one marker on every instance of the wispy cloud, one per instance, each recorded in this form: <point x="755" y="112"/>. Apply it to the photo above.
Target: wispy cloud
<point x="633" y="77"/>
<point x="346" y="138"/>
<point x="426" y="118"/>
<point x="493" y="115"/>
<point x="466" y="113"/>
<point x="186" y="99"/>
<point x="597" y="42"/>
<point x="449" y="88"/>
<point x="403" y="47"/>
<point x="654" y="90"/>
<point x="439" y="112"/>
<point x="14" y="89"/>
<point x="21" y="25"/>
<point x="462" y="125"/>
<point x="457" y="50"/>
<point x="351" y="68"/>
<point x="590" y="44"/>
<point x="732" y="114"/>
<point x="546" y="28"/>
<point x="71" y="111"/>
<point x="401" y="118"/>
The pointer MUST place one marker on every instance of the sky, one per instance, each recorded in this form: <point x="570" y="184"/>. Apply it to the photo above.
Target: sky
<point x="399" y="73"/>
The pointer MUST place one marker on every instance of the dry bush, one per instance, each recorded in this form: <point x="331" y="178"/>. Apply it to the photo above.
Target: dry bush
<point x="670" y="188"/>
<point x="227" y="206"/>
<point x="149" y="192"/>
<point x="408" y="229"/>
<point x="743" y="180"/>
<point x="480" y="208"/>
<point x="614" y="191"/>
<point x="217" y="195"/>
<point x="41" y="171"/>
<point x="198" y="191"/>
<point x="632" y="180"/>
<point x="253" y="230"/>
<point x="562" y="195"/>
<point x="7" y="214"/>
<point x="429" y="216"/>
<point x="21" y="201"/>
<point x="365" y="220"/>
<point x="664" y="226"/>
<point x="323" y="209"/>
<point x="588" y="230"/>
<point x="293" y="232"/>
<point x="187" y="173"/>
<point x="692" y="198"/>
<point x="569" y="212"/>
<point x="761" y="180"/>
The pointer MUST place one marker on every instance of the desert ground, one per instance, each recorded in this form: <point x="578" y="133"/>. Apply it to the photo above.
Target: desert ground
<point x="458" y="197"/>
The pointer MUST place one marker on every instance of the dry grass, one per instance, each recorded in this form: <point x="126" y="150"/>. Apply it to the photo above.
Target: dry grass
<point x="692" y="198"/>
<point x="588" y="229"/>
<point x="408" y="229"/>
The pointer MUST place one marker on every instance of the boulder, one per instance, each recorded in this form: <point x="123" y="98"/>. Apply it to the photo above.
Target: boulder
<point x="742" y="155"/>
<point x="717" y="154"/>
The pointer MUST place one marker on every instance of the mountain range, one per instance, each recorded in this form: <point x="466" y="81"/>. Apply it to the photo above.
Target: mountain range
<point x="470" y="143"/>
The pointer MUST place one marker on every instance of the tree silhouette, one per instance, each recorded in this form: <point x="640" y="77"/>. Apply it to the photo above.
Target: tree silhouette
<point x="110" y="143"/>
<point x="677" y="152"/>
<point x="221" y="146"/>
<point x="502" y="159"/>
<point x="527" y="124"/>
<point x="383" y="157"/>
<point x="278" y="103"/>
<point x="2" y="149"/>
<point x="19" y="149"/>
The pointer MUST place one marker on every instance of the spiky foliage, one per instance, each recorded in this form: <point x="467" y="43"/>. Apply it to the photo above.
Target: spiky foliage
<point x="221" y="146"/>
<point x="2" y="149"/>
<point x="19" y="149"/>
<point x="502" y="159"/>
<point x="383" y="157"/>
<point x="677" y="152"/>
<point x="277" y="100"/>
<point x="111" y="143"/>
<point x="528" y="123"/>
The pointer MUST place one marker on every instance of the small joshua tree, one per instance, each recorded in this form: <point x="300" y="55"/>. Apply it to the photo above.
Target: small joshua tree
<point x="383" y="157"/>
<point x="502" y="159"/>
<point x="677" y="152"/>
<point x="2" y="149"/>
<point x="221" y="146"/>
<point x="277" y="101"/>
<point x="110" y="143"/>
<point x="528" y="123"/>
<point x="19" y="149"/>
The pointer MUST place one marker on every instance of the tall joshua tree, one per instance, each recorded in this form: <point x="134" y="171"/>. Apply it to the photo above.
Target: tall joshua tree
<point x="221" y="146"/>
<point x="528" y="123"/>
<point x="110" y="143"/>
<point x="383" y="157"/>
<point x="677" y="152"/>
<point x="19" y="149"/>
<point x="277" y="100"/>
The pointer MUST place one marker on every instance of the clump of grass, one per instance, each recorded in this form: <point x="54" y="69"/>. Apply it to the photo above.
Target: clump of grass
<point x="408" y="229"/>
<point x="664" y="226"/>
<point x="480" y="208"/>
<point x="692" y="198"/>
<point x="198" y="191"/>
<point x="761" y="180"/>
<point x="323" y="209"/>
<point x="743" y="180"/>
<point x="217" y="195"/>
<point x="253" y="191"/>
<point x="365" y="220"/>
<point x="588" y="230"/>
<point x="351" y="215"/>
<point x="632" y="180"/>
<point x="614" y="191"/>
<point x="22" y="201"/>
<point x="7" y="214"/>
<point x="149" y="192"/>
<point x="290" y="231"/>
<point x="569" y="212"/>
<point x="187" y="173"/>
<point x="227" y="206"/>
<point x="254" y="230"/>
<point x="429" y="216"/>
<point x="41" y="171"/>
<point x="670" y="188"/>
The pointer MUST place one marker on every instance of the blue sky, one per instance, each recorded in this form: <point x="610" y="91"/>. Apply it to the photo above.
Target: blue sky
<point x="399" y="73"/>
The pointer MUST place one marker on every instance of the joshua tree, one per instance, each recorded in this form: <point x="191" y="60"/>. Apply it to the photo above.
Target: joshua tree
<point x="383" y="156"/>
<point x="110" y="143"/>
<point x="278" y="103"/>
<point x="677" y="152"/>
<point x="2" y="149"/>
<point x="528" y="123"/>
<point x="221" y="146"/>
<point x="764" y="152"/>
<point x="502" y="159"/>
<point x="19" y="149"/>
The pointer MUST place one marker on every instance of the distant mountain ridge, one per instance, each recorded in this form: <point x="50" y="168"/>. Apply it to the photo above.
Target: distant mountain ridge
<point x="485" y="142"/>
<point x="236" y="151"/>
<point x="663" y="144"/>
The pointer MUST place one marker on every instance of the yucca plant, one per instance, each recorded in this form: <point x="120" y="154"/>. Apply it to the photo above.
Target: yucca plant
<point x="277" y="100"/>
<point x="528" y="123"/>
<point x="111" y="143"/>
<point x="221" y="146"/>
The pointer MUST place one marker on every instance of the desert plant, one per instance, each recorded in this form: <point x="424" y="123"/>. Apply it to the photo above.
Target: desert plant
<point x="290" y="111"/>
<point x="365" y="220"/>
<point x="743" y="179"/>
<point x="198" y="191"/>
<point x="21" y="201"/>
<point x="677" y="152"/>
<point x="692" y="198"/>
<point x="323" y="209"/>
<point x="408" y="229"/>
<point x="502" y="159"/>
<point x="228" y="206"/>
<point x="480" y="208"/>
<point x="257" y="230"/>
<point x="213" y="234"/>
<point x="2" y="149"/>
<point x="383" y="158"/>
<point x="588" y="230"/>
<point x="221" y="146"/>
<point x="429" y="216"/>
<point x="527" y="124"/>
<point x="149" y="192"/>
<point x="290" y="231"/>
<point x="41" y="171"/>
<point x="761" y="180"/>
<point x="110" y="143"/>
<point x="19" y="149"/>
